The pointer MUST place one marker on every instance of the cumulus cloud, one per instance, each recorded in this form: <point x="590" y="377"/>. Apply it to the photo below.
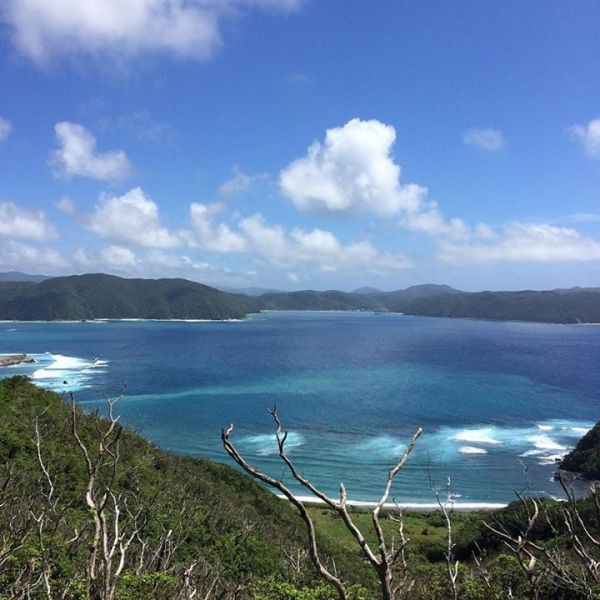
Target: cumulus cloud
<point x="525" y="243"/>
<point x="489" y="140"/>
<point x="77" y="156"/>
<point x="26" y="257"/>
<point x="18" y="223"/>
<point x="132" y="218"/>
<point x="219" y="238"/>
<point x="182" y="28"/>
<point x="588" y="136"/>
<point x="433" y="223"/>
<point x="317" y="249"/>
<point x="5" y="128"/>
<point x="352" y="171"/>
<point x="118" y="257"/>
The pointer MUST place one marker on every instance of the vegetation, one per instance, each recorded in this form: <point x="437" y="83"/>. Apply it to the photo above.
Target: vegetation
<point x="100" y="296"/>
<point x="584" y="459"/>
<point x="556" y="306"/>
<point x="91" y="511"/>
<point x="107" y="297"/>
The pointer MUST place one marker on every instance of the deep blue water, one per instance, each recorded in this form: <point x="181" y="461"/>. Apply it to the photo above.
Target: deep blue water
<point x="498" y="401"/>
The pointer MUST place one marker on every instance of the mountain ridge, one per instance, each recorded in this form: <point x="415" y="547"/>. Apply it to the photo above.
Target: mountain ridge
<point x="102" y="296"/>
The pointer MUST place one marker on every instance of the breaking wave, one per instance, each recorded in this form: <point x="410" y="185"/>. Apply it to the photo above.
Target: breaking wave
<point x="61" y="373"/>
<point x="266" y="444"/>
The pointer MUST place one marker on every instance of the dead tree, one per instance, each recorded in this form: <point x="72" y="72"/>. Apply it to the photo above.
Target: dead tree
<point x="451" y="564"/>
<point x="381" y="558"/>
<point x="110" y="541"/>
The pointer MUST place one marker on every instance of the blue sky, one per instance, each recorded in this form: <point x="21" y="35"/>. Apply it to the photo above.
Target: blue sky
<point x="303" y="144"/>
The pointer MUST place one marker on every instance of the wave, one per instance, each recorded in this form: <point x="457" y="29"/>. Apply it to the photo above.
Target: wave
<point x="384" y="446"/>
<point x="59" y="372"/>
<point x="545" y="442"/>
<point x="266" y="444"/>
<point x="472" y="450"/>
<point x="477" y="436"/>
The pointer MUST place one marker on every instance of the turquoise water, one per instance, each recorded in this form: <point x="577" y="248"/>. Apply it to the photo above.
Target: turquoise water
<point x="498" y="402"/>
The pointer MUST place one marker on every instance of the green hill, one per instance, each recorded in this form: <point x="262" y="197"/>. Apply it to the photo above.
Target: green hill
<point x="187" y="514"/>
<point x="98" y="296"/>
<point x="576" y="305"/>
<point x="584" y="459"/>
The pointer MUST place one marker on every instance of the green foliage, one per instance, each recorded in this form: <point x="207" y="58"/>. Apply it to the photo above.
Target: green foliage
<point x="207" y="529"/>
<point x="197" y="512"/>
<point x="556" y="306"/>
<point x="98" y="296"/>
<point x="269" y="589"/>
<point x="585" y="457"/>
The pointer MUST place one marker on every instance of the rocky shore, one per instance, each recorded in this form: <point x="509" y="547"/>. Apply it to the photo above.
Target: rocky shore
<point x="14" y="359"/>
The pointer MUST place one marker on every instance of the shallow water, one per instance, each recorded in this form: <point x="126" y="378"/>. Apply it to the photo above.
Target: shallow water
<point x="498" y="402"/>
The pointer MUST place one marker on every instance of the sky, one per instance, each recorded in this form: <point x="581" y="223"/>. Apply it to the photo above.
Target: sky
<point x="303" y="144"/>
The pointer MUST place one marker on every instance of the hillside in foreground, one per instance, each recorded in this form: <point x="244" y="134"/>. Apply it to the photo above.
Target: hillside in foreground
<point x="91" y="511"/>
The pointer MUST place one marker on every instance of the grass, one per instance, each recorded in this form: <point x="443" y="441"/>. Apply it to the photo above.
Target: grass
<point x="426" y="531"/>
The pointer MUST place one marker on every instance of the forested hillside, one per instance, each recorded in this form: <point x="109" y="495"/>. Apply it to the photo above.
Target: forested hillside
<point x="556" y="306"/>
<point x="91" y="511"/>
<point x="584" y="459"/>
<point x="98" y="296"/>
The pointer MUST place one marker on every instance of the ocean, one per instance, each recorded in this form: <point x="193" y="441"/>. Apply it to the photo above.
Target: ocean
<point x="499" y="403"/>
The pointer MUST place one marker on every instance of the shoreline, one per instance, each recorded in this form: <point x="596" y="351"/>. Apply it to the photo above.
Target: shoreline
<point x="413" y="507"/>
<point x="10" y="360"/>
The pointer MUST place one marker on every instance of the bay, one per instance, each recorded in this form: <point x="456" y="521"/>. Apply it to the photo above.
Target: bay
<point x="498" y="402"/>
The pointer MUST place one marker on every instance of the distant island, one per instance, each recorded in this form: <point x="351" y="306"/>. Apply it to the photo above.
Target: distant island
<point x="100" y="296"/>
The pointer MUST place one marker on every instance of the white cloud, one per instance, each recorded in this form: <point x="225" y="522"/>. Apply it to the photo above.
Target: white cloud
<point x="132" y="218"/>
<point x="589" y="137"/>
<point x="32" y="259"/>
<point x="118" y="257"/>
<point x="183" y="28"/>
<point x="5" y="128"/>
<point x="241" y="183"/>
<point x="525" y="243"/>
<point x="18" y="223"/>
<point x="77" y="156"/>
<point x="219" y="238"/>
<point x="351" y="172"/>
<point x="316" y="249"/>
<point x="433" y="223"/>
<point x="489" y="140"/>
